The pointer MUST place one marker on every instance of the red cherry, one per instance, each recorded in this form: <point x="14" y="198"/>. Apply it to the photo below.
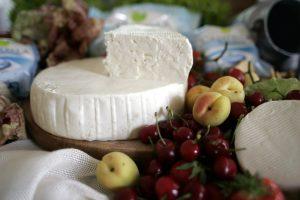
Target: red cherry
<point x="293" y="95"/>
<point x="166" y="188"/>
<point x="192" y="80"/>
<point x="241" y="195"/>
<point x="167" y="127"/>
<point x="126" y="194"/>
<point x="191" y="123"/>
<point x="165" y="151"/>
<point x="154" y="169"/>
<point x="216" y="147"/>
<point x="211" y="76"/>
<point x="196" y="55"/>
<point x="180" y="176"/>
<point x="225" y="168"/>
<point x="238" y="110"/>
<point x="189" y="150"/>
<point x="148" y="132"/>
<point x="196" y="190"/>
<point x="147" y="185"/>
<point x="213" y="192"/>
<point x="182" y="134"/>
<point x="238" y="74"/>
<point x="256" y="99"/>
<point x="214" y="133"/>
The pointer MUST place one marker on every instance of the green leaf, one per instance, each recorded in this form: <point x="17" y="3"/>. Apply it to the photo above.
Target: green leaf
<point x="286" y="85"/>
<point x="186" y="166"/>
<point x="196" y="170"/>
<point x="274" y="96"/>
<point x="274" y="89"/>
<point x="246" y="182"/>
<point x="138" y="16"/>
<point x="185" y="196"/>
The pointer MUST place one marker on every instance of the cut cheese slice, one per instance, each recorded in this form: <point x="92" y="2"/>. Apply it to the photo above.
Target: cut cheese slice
<point x="148" y="53"/>
<point x="78" y="100"/>
<point x="271" y="136"/>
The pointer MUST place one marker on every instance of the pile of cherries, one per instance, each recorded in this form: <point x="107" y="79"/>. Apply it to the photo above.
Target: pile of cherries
<point x="195" y="162"/>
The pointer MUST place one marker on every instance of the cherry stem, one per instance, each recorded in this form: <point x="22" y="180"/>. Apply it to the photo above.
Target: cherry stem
<point x="151" y="142"/>
<point x="170" y="117"/>
<point x="207" y="131"/>
<point x="222" y="53"/>
<point x="250" y="72"/>
<point x="237" y="149"/>
<point x="198" y="136"/>
<point x="158" y="130"/>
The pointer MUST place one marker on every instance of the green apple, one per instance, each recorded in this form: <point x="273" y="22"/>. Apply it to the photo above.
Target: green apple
<point x="116" y="170"/>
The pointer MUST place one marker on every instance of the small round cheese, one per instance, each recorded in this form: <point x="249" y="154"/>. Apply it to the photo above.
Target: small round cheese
<point x="79" y="100"/>
<point x="271" y="136"/>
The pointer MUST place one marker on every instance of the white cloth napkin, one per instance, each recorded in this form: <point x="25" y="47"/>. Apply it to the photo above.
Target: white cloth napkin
<point x="27" y="172"/>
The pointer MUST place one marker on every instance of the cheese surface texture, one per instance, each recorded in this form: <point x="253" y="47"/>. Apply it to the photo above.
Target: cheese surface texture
<point x="79" y="100"/>
<point x="148" y="53"/>
<point x="271" y="136"/>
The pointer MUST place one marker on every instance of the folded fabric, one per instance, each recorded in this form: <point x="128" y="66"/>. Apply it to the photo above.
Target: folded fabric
<point x="26" y="172"/>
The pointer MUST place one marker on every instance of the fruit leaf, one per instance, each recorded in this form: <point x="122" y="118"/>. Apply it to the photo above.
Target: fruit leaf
<point x="185" y="196"/>
<point x="186" y="166"/>
<point x="196" y="170"/>
<point x="274" y="89"/>
<point x="245" y="182"/>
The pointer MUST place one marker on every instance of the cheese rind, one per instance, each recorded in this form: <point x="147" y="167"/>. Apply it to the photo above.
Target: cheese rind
<point x="270" y="135"/>
<point x="148" y="53"/>
<point x="79" y="100"/>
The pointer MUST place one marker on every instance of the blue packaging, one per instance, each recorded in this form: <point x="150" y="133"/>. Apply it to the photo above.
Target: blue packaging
<point x="18" y="65"/>
<point x="211" y="41"/>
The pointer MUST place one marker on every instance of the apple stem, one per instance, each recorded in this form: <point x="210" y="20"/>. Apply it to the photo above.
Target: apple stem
<point x="158" y="130"/>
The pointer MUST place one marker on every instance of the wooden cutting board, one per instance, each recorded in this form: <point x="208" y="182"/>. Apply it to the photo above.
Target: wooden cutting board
<point x="134" y="148"/>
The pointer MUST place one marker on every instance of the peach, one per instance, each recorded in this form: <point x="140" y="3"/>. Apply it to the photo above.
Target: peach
<point x="211" y="108"/>
<point x="193" y="93"/>
<point x="230" y="87"/>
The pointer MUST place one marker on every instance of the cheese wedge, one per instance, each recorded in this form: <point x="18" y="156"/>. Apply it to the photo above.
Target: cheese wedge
<point x="271" y="136"/>
<point x="148" y="53"/>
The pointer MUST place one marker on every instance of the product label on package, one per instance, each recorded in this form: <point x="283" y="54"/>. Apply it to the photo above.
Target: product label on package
<point x="18" y="64"/>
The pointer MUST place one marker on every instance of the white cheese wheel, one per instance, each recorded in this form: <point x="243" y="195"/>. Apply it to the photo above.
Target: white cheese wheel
<point x="78" y="100"/>
<point x="149" y="53"/>
<point x="271" y="136"/>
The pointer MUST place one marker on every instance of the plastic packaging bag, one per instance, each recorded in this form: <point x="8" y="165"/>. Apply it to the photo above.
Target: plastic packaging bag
<point x="18" y="65"/>
<point x="174" y="17"/>
<point x="211" y="40"/>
